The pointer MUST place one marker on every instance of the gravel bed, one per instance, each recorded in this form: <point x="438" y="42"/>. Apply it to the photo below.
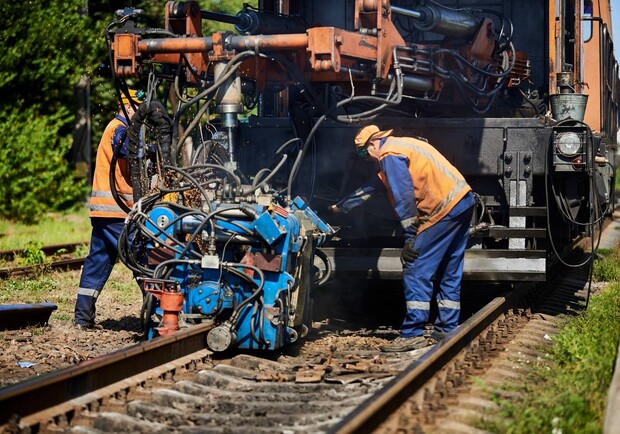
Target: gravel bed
<point x="35" y="351"/>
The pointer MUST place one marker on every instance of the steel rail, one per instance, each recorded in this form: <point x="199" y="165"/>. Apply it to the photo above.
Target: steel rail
<point x="9" y="255"/>
<point x="381" y="405"/>
<point x="62" y="265"/>
<point x="40" y="393"/>
<point x="376" y="409"/>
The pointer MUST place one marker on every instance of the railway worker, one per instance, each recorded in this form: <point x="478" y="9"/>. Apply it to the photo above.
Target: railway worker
<point x="106" y="217"/>
<point x="434" y="204"/>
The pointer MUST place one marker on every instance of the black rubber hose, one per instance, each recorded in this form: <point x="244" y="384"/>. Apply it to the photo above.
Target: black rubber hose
<point x="112" y="175"/>
<point x="155" y="113"/>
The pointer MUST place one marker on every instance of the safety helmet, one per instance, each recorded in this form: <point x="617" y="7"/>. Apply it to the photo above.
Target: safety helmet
<point x="370" y="132"/>
<point x="137" y="96"/>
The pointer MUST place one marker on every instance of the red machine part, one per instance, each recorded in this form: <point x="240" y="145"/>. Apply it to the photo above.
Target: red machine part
<point x="170" y="301"/>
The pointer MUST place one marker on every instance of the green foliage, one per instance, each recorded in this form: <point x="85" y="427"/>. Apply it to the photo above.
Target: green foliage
<point x="226" y="6"/>
<point x="607" y="266"/>
<point x="34" y="176"/>
<point x="33" y="255"/>
<point x="54" y="228"/>
<point x="81" y="251"/>
<point x="569" y="394"/>
<point x="47" y="46"/>
<point x="32" y="290"/>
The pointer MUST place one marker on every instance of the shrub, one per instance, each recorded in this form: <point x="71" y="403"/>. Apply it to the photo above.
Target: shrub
<point x="33" y="255"/>
<point x="34" y="176"/>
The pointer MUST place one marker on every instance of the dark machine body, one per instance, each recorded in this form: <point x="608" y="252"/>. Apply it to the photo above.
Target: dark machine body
<point x="498" y="87"/>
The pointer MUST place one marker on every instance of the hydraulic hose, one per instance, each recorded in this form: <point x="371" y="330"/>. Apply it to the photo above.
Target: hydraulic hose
<point x="112" y="175"/>
<point x="155" y="113"/>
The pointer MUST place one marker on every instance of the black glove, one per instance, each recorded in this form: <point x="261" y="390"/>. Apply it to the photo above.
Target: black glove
<point x="408" y="253"/>
<point x="150" y="148"/>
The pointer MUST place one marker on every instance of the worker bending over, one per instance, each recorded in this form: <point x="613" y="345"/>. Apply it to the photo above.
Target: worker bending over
<point x="434" y="204"/>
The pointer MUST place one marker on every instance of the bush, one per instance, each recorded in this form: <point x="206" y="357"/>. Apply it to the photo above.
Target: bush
<point x="34" y="176"/>
<point x="33" y="255"/>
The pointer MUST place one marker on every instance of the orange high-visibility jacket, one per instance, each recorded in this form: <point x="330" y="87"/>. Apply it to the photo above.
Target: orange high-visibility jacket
<point x="438" y="185"/>
<point x="102" y="203"/>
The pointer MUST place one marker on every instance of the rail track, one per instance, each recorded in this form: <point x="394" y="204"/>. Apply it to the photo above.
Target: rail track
<point x="175" y="384"/>
<point x="10" y="255"/>
<point x="62" y="264"/>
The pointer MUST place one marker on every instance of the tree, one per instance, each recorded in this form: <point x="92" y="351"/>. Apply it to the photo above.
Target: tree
<point x="47" y="46"/>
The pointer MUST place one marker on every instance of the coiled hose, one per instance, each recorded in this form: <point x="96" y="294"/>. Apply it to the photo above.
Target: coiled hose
<point x="155" y="113"/>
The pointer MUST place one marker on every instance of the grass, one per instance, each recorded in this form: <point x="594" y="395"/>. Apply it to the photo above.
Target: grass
<point x="55" y="228"/>
<point x="59" y="288"/>
<point x="120" y="292"/>
<point x="567" y="392"/>
<point x="607" y="265"/>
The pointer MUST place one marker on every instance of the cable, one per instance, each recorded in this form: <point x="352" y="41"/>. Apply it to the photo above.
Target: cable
<point x="230" y="266"/>
<point x="231" y="67"/>
<point x="328" y="267"/>
<point x="397" y="83"/>
<point x="548" y="217"/>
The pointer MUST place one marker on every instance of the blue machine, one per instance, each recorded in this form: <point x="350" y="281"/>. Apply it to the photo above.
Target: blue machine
<point x="246" y="267"/>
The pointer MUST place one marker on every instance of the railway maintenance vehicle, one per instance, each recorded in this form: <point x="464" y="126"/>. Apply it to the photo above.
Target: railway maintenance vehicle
<point x="245" y="140"/>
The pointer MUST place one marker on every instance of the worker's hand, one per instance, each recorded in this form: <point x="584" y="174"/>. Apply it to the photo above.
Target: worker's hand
<point x="408" y="253"/>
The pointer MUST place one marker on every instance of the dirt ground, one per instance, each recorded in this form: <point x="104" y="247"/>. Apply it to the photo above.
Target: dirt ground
<point x="37" y="350"/>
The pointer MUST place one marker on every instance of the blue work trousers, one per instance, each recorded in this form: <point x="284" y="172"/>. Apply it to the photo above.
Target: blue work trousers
<point x="441" y="250"/>
<point x="97" y="266"/>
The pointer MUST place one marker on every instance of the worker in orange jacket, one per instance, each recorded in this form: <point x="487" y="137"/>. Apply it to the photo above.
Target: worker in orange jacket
<point x="434" y="204"/>
<point x="106" y="216"/>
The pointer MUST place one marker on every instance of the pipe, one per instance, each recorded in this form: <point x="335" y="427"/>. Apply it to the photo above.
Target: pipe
<point x="228" y="104"/>
<point x="448" y="22"/>
<point x="199" y="45"/>
<point x="250" y="22"/>
<point x="221" y="17"/>
<point x="255" y="23"/>
<point x="601" y="52"/>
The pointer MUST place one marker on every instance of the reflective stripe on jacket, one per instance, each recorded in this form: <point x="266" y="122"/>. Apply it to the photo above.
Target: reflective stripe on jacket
<point x="102" y="203"/>
<point x="438" y="185"/>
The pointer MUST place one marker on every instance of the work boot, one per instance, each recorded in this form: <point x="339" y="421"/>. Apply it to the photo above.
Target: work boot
<point x="436" y="336"/>
<point x="405" y="344"/>
<point x="85" y="310"/>
<point x="88" y="326"/>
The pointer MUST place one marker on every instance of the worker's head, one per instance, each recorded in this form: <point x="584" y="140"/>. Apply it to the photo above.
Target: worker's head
<point x="365" y="137"/>
<point x="137" y="97"/>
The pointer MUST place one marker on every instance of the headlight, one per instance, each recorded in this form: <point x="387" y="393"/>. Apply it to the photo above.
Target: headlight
<point x="569" y="144"/>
